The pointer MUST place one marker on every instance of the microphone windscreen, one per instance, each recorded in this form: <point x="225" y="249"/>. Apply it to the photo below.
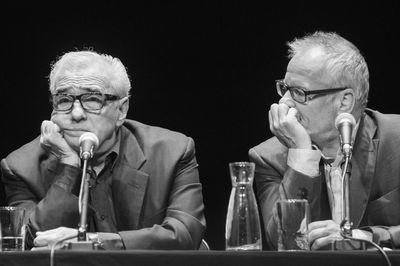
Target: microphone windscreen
<point x="344" y="117"/>
<point x="89" y="136"/>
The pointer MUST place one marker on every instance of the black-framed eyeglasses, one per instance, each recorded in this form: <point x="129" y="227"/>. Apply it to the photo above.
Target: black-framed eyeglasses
<point x="92" y="101"/>
<point x="300" y="94"/>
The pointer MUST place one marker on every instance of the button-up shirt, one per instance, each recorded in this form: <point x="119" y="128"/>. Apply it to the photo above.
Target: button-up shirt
<point x="307" y="162"/>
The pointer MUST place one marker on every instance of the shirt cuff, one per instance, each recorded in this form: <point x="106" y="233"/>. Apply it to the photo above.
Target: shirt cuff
<point x="110" y="241"/>
<point x="304" y="161"/>
<point x="362" y="234"/>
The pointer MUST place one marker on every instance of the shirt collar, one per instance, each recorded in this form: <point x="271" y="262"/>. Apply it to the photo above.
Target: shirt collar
<point x="114" y="152"/>
<point x="111" y="157"/>
<point x="336" y="160"/>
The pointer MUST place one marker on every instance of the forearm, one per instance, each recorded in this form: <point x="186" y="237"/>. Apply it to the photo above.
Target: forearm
<point x="171" y="234"/>
<point x="59" y="206"/>
<point x="274" y="182"/>
<point x="385" y="236"/>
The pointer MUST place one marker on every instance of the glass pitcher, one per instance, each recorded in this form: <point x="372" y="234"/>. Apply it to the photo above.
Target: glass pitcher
<point x="242" y="231"/>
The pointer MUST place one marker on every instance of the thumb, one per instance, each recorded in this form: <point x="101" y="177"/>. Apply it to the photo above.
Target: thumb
<point x="293" y="114"/>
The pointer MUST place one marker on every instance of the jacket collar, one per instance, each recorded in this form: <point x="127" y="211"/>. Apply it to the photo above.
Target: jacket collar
<point x="363" y="168"/>
<point x="129" y="182"/>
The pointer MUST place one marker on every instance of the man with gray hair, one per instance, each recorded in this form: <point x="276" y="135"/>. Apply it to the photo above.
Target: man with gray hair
<point x="327" y="76"/>
<point x="145" y="191"/>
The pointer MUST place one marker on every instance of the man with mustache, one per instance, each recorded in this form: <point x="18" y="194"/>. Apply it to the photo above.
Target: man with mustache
<point x="145" y="191"/>
<point x="327" y="76"/>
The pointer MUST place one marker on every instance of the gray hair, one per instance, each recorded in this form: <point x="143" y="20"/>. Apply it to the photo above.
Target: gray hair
<point x="116" y="71"/>
<point x="343" y="61"/>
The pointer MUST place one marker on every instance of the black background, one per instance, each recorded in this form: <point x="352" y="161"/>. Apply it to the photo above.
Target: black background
<point x="206" y="69"/>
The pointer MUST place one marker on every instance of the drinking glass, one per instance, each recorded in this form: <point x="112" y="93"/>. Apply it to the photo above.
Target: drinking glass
<point x="12" y="229"/>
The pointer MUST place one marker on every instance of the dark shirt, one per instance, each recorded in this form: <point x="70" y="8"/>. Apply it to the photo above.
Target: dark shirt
<point x="101" y="199"/>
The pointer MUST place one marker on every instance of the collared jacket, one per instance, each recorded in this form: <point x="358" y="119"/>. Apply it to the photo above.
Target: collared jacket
<point x="374" y="187"/>
<point x="156" y="191"/>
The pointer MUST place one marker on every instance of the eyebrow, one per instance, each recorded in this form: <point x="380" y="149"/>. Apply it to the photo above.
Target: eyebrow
<point x="89" y="89"/>
<point x="290" y="86"/>
<point x="297" y="87"/>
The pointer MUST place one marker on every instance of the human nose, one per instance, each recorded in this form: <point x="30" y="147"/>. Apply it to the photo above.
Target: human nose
<point x="78" y="113"/>
<point x="287" y="99"/>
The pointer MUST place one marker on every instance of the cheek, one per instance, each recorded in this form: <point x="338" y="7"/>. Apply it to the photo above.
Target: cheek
<point x="104" y="128"/>
<point x="59" y="119"/>
<point x="73" y="142"/>
<point x="303" y="116"/>
<point x="311" y="118"/>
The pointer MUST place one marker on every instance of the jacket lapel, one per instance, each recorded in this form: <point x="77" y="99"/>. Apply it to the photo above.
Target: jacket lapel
<point x="363" y="169"/>
<point x="129" y="182"/>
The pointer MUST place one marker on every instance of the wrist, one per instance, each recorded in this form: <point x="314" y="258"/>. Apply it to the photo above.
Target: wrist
<point x="72" y="159"/>
<point x="306" y="145"/>
<point x="93" y="237"/>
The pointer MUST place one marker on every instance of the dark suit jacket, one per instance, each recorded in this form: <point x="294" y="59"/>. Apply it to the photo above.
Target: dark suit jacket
<point x="375" y="180"/>
<point x="156" y="191"/>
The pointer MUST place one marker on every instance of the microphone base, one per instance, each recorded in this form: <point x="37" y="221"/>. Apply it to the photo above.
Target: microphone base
<point x="348" y="244"/>
<point x="82" y="245"/>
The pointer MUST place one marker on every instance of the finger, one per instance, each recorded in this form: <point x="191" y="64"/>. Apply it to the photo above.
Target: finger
<point x="318" y="243"/>
<point x="317" y="224"/>
<point x="51" y="135"/>
<point x="282" y="112"/>
<point x="323" y="229"/>
<point x="49" y="232"/>
<point x="49" y="127"/>
<point x="270" y="121"/>
<point x="56" y="128"/>
<point x="43" y="125"/>
<point x="41" y="242"/>
<point x="274" y="116"/>
<point x="40" y="248"/>
<point x="49" y="240"/>
<point x="292" y="114"/>
<point x="45" y="132"/>
<point x="45" y="239"/>
<point x="323" y="242"/>
<point x="317" y="233"/>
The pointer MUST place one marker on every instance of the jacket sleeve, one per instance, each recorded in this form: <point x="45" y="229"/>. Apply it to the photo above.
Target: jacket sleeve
<point x="273" y="182"/>
<point x="184" y="223"/>
<point x="58" y="207"/>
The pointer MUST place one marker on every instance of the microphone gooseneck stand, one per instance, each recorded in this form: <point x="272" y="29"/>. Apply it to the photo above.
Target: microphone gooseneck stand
<point x="83" y="242"/>
<point x="349" y="242"/>
<point x="346" y="226"/>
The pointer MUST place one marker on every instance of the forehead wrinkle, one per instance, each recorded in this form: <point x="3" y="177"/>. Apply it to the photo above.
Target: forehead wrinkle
<point x="90" y="82"/>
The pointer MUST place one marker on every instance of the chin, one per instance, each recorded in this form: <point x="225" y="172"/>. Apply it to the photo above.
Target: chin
<point x="73" y="142"/>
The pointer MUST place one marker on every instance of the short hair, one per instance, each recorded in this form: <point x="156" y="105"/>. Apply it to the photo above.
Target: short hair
<point x="113" y="67"/>
<point x="344" y="61"/>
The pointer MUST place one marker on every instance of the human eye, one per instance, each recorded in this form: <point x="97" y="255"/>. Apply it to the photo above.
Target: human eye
<point x="62" y="98"/>
<point x="62" y="101"/>
<point x="298" y="92"/>
<point x="93" y="97"/>
<point x="93" y="101"/>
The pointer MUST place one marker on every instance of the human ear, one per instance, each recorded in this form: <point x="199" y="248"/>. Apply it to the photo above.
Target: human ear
<point x="123" y="110"/>
<point x="347" y="100"/>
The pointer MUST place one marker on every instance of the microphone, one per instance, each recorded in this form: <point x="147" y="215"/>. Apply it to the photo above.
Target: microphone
<point x="88" y="141"/>
<point x="345" y="123"/>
